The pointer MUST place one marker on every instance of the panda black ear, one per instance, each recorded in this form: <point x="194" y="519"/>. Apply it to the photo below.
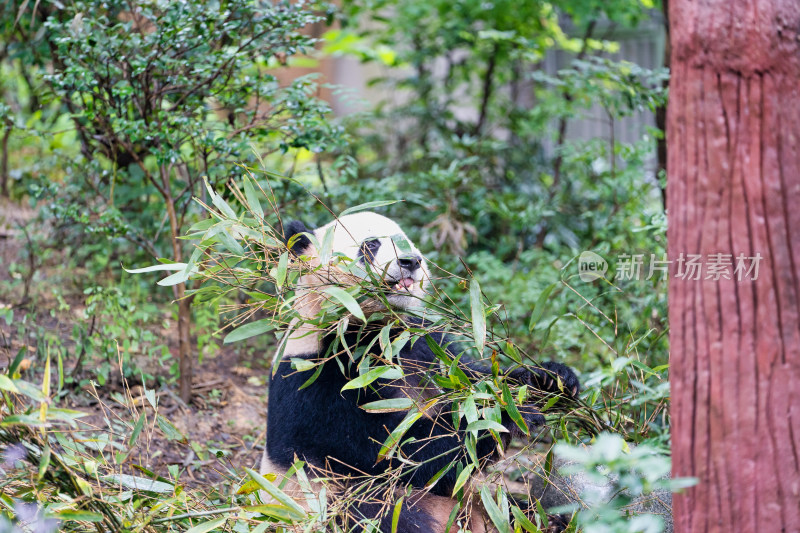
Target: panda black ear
<point x="302" y="242"/>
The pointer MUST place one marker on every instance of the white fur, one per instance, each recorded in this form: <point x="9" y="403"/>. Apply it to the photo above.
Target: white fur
<point x="351" y="231"/>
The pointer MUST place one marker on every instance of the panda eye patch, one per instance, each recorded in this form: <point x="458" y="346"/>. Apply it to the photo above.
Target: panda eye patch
<point x="369" y="248"/>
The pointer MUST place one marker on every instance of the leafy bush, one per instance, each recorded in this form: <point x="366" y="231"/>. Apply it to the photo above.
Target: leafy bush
<point x="163" y="96"/>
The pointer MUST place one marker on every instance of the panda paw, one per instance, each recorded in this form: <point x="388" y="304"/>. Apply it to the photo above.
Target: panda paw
<point x="556" y="378"/>
<point x="558" y="523"/>
<point x="531" y="416"/>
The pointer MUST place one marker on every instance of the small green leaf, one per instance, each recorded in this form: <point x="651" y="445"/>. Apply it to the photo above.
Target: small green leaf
<point x="347" y="301"/>
<point x="388" y="406"/>
<point x="7" y="385"/>
<point x="511" y="409"/>
<point x="12" y="368"/>
<point x="486" y="424"/>
<point x="312" y="379"/>
<point x="386" y="372"/>
<point x="512" y="352"/>
<point x="438" y="475"/>
<point x="137" y="429"/>
<point x="44" y="462"/>
<point x="30" y="390"/>
<point x="438" y="351"/>
<point x="248" y="487"/>
<point x="154" y="268"/>
<point x="538" y="308"/>
<point x="523" y="521"/>
<point x="396" y="514"/>
<point x="542" y="515"/>
<point x="367" y="205"/>
<point x="170" y="431"/>
<point x="205" y="527"/>
<point x="301" y="364"/>
<point x="252" y="198"/>
<point x="462" y="478"/>
<point x="220" y="202"/>
<point x="548" y="468"/>
<point x="227" y="240"/>
<point x="550" y="403"/>
<point x="176" y="278"/>
<point x="398" y="432"/>
<point x="79" y="516"/>
<point x="139" y="483"/>
<point x="294" y="510"/>
<point x="251" y="329"/>
<point x="498" y="519"/>
<point x="478" y="318"/>
<point x="283" y="265"/>
<point x="470" y="409"/>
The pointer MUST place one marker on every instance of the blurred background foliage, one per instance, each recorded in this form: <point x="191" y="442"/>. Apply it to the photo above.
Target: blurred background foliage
<point x="113" y="113"/>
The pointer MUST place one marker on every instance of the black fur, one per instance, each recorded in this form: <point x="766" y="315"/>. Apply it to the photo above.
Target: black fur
<point x="302" y="243"/>
<point x="412" y="519"/>
<point x="325" y="425"/>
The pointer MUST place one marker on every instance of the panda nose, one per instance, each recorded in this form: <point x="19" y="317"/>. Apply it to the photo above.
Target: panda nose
<point x="409" y="263"/>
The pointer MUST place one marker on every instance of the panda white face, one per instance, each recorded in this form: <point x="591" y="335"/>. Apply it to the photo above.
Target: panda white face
<point x="379" y="244"/>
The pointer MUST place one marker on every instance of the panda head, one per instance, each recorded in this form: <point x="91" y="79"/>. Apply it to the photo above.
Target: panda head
<point x="373" y="242"/>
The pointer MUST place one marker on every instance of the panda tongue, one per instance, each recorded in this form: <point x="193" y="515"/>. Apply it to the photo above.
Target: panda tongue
<point x="405" y="282"/>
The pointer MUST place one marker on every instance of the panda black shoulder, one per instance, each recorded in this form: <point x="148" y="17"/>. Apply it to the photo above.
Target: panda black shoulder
<point x="296" y="227"/>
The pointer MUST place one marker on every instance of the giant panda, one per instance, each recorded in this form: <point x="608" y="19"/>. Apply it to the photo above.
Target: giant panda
<point x="325" y="426"/>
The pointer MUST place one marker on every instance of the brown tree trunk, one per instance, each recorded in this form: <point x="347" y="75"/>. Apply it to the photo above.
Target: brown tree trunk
<point x="733" y="138"/>
<point x="179" y="290"/>
<point x="185" y="343"/>
<point x="4" y="161"/>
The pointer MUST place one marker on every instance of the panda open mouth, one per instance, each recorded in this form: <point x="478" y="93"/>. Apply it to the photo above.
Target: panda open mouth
<point x="403" y="284"/>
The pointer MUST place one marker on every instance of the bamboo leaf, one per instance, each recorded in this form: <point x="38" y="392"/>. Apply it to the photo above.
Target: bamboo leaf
<point x="294" y="509"/>
<point x="462" y="478"/>
<point x="542" y="515"/>
<point x="523" y="521"/>
<point x="478" y="318"/>
<point x="227" y="240"/>
<point x="137" y="429"/>
<point x="139" y="483"/>
<point x="154" y="268"/>
<point x="283" y="265"/>
<point x="347" y="301"/>
<point x="367" y="205"/>
<point x="205" y="527"/>
<point x="396" y="514"/>
<point x="438" y="475"/>
<point x="176" y="278"/>
<point x="388" y="406"/>
<point x="550" y="403"/>
<point x="495" y="515"/>
<point x="79" y="516"/>
<point x="486" y="424"/>
<point x="387" y="372"/>
<point x="398" y="432"/>
<point x="252" y="198"/>
<point x="538" y="308"/>
<point x="312" y="379"/>
<point x="513" y="412"/>
<point x="170" y="431"/>
<point x="251" y="329"/>
<point x="7" y="385"/>
<point x="301" y="364"/>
